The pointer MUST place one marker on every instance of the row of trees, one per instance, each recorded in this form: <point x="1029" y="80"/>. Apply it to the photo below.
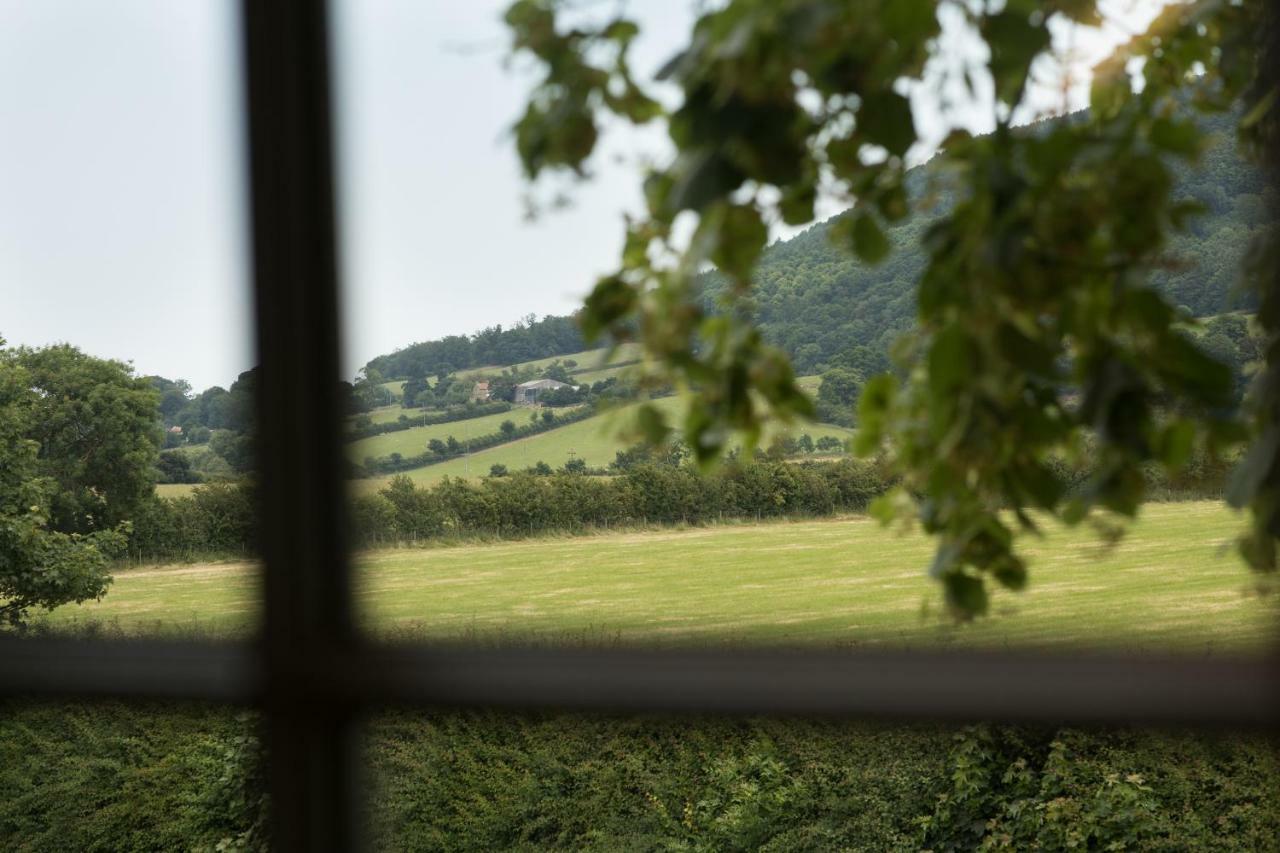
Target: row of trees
<point x="648" y="487"/>
<point x="529" y="339"/>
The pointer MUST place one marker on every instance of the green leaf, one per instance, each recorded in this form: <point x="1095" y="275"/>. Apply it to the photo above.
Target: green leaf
<point x="1177" y="137"/>
<point x="1014" y="41"/>
<point x="702" y="177"/>
<point x="884" y="118"/>
<point x="1183" y="363"/>
<point x="873" y="407"/>
<point x="869" y="242"/>
<point x="1254" y="468"/>
<point x="797" y="203"/>
<point x="966" y="595"/>
<point x="621" y="30"/>
<point x="609" y="301"/>
<point x="1175" y="443"/>
<point x="951" y="361"/>
<point x="739" y="240"/>
<point x="1011" y="573"/>
<point x="651" y="423"/>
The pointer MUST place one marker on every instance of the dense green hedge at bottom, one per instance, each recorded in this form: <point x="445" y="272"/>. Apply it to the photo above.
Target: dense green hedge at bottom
<point x="112" y="776"/>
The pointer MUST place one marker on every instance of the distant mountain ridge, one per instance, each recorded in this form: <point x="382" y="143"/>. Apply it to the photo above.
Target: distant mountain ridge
<point x="819" y="303"/>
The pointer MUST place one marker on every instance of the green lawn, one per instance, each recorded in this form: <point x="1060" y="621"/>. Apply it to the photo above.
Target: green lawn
<point x="1169" y="584"/>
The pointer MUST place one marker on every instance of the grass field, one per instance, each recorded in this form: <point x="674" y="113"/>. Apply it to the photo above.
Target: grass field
<point x="591" y="359"/>
<point x="411" y="442"/>
<point x="388" y="414"/>
<point x="174" y="490"/>
<point x="396" y="387"/>
<point x="1169" y="584"/>
<point x="590" y="377"/>
<point x="595" y="440"/>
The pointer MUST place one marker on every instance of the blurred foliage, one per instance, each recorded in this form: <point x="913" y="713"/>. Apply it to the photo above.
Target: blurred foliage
<point x="1039" y="328"/>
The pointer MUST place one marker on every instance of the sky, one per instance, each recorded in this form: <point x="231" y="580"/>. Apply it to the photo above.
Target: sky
<point x="123" y="224"/>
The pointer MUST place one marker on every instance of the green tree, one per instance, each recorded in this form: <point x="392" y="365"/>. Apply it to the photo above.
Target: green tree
<point x="1038" y="327"/>
<point x="838" y="394"/>
<point x="556" y="371"/>
<point x="99" y="437"/>
<point x="507" y="428"/>
<point x="42" y="564"/>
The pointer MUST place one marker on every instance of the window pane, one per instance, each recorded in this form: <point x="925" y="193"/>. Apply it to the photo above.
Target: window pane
<point x="498" y="496"/>
<point x="126" y="360"/>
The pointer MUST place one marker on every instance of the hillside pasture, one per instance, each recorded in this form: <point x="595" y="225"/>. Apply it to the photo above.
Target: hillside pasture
<point x="595" y="440"/>
<point x="1170" y="584"/>
<point x="174" y="490"/>
<point x="396" y="387"/>
<point x="592" y="359"/>
<point x="389" y="414"/>
<point x="413" y="441"/>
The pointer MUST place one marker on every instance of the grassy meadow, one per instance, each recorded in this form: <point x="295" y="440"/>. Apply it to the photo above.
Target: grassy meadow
<point x="413" y="441"/>
<point x="592" y="359"/>
<point x="595" y="440"/>
<point x="849" y="582"/>
<point x="115" y="775"/>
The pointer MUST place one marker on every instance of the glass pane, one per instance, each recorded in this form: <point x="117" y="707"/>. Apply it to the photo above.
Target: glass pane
<point x="497" y="495"/>
<point x="126" y="416"/>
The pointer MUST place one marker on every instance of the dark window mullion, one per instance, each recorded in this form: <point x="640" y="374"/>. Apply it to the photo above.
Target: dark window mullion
<point x="306" y="592"/>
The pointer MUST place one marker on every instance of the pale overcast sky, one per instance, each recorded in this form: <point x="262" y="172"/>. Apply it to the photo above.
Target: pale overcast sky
<point x="122" y="210"/>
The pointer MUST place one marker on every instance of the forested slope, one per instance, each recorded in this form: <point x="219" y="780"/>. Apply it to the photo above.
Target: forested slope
<point x="817" y="301"/>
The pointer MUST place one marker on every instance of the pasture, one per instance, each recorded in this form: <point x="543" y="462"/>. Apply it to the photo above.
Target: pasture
<point x="1169" y="584"/>
<point x="412" y="441"/>
<point x="591" y="359"/>
<point x="175" y="490"/>
<point x="595" y="440"/>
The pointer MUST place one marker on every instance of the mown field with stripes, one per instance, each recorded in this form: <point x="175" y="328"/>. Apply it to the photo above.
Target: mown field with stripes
<point x="1172" y="582"/>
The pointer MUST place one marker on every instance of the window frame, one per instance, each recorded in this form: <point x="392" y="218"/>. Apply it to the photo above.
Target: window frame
<point x="312" y="675"/>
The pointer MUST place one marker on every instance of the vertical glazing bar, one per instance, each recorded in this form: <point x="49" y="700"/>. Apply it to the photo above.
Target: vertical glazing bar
<point x="308" y="738"/>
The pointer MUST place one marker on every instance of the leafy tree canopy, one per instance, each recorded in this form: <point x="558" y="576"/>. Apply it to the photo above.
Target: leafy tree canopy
<point x="79" y="440"/>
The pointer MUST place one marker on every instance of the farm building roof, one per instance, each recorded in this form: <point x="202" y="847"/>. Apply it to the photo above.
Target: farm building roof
<point x="542" y="384"/>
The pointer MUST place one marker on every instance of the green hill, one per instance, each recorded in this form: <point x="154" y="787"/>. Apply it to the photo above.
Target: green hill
<point x="824" y="307"/>
<point x="413" y="441"/>
<point x="596" y="441"/>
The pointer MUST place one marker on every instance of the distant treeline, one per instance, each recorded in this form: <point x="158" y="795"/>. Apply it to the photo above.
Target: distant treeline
<point x="221" y="518"/>
<point x="528" y="339"/>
